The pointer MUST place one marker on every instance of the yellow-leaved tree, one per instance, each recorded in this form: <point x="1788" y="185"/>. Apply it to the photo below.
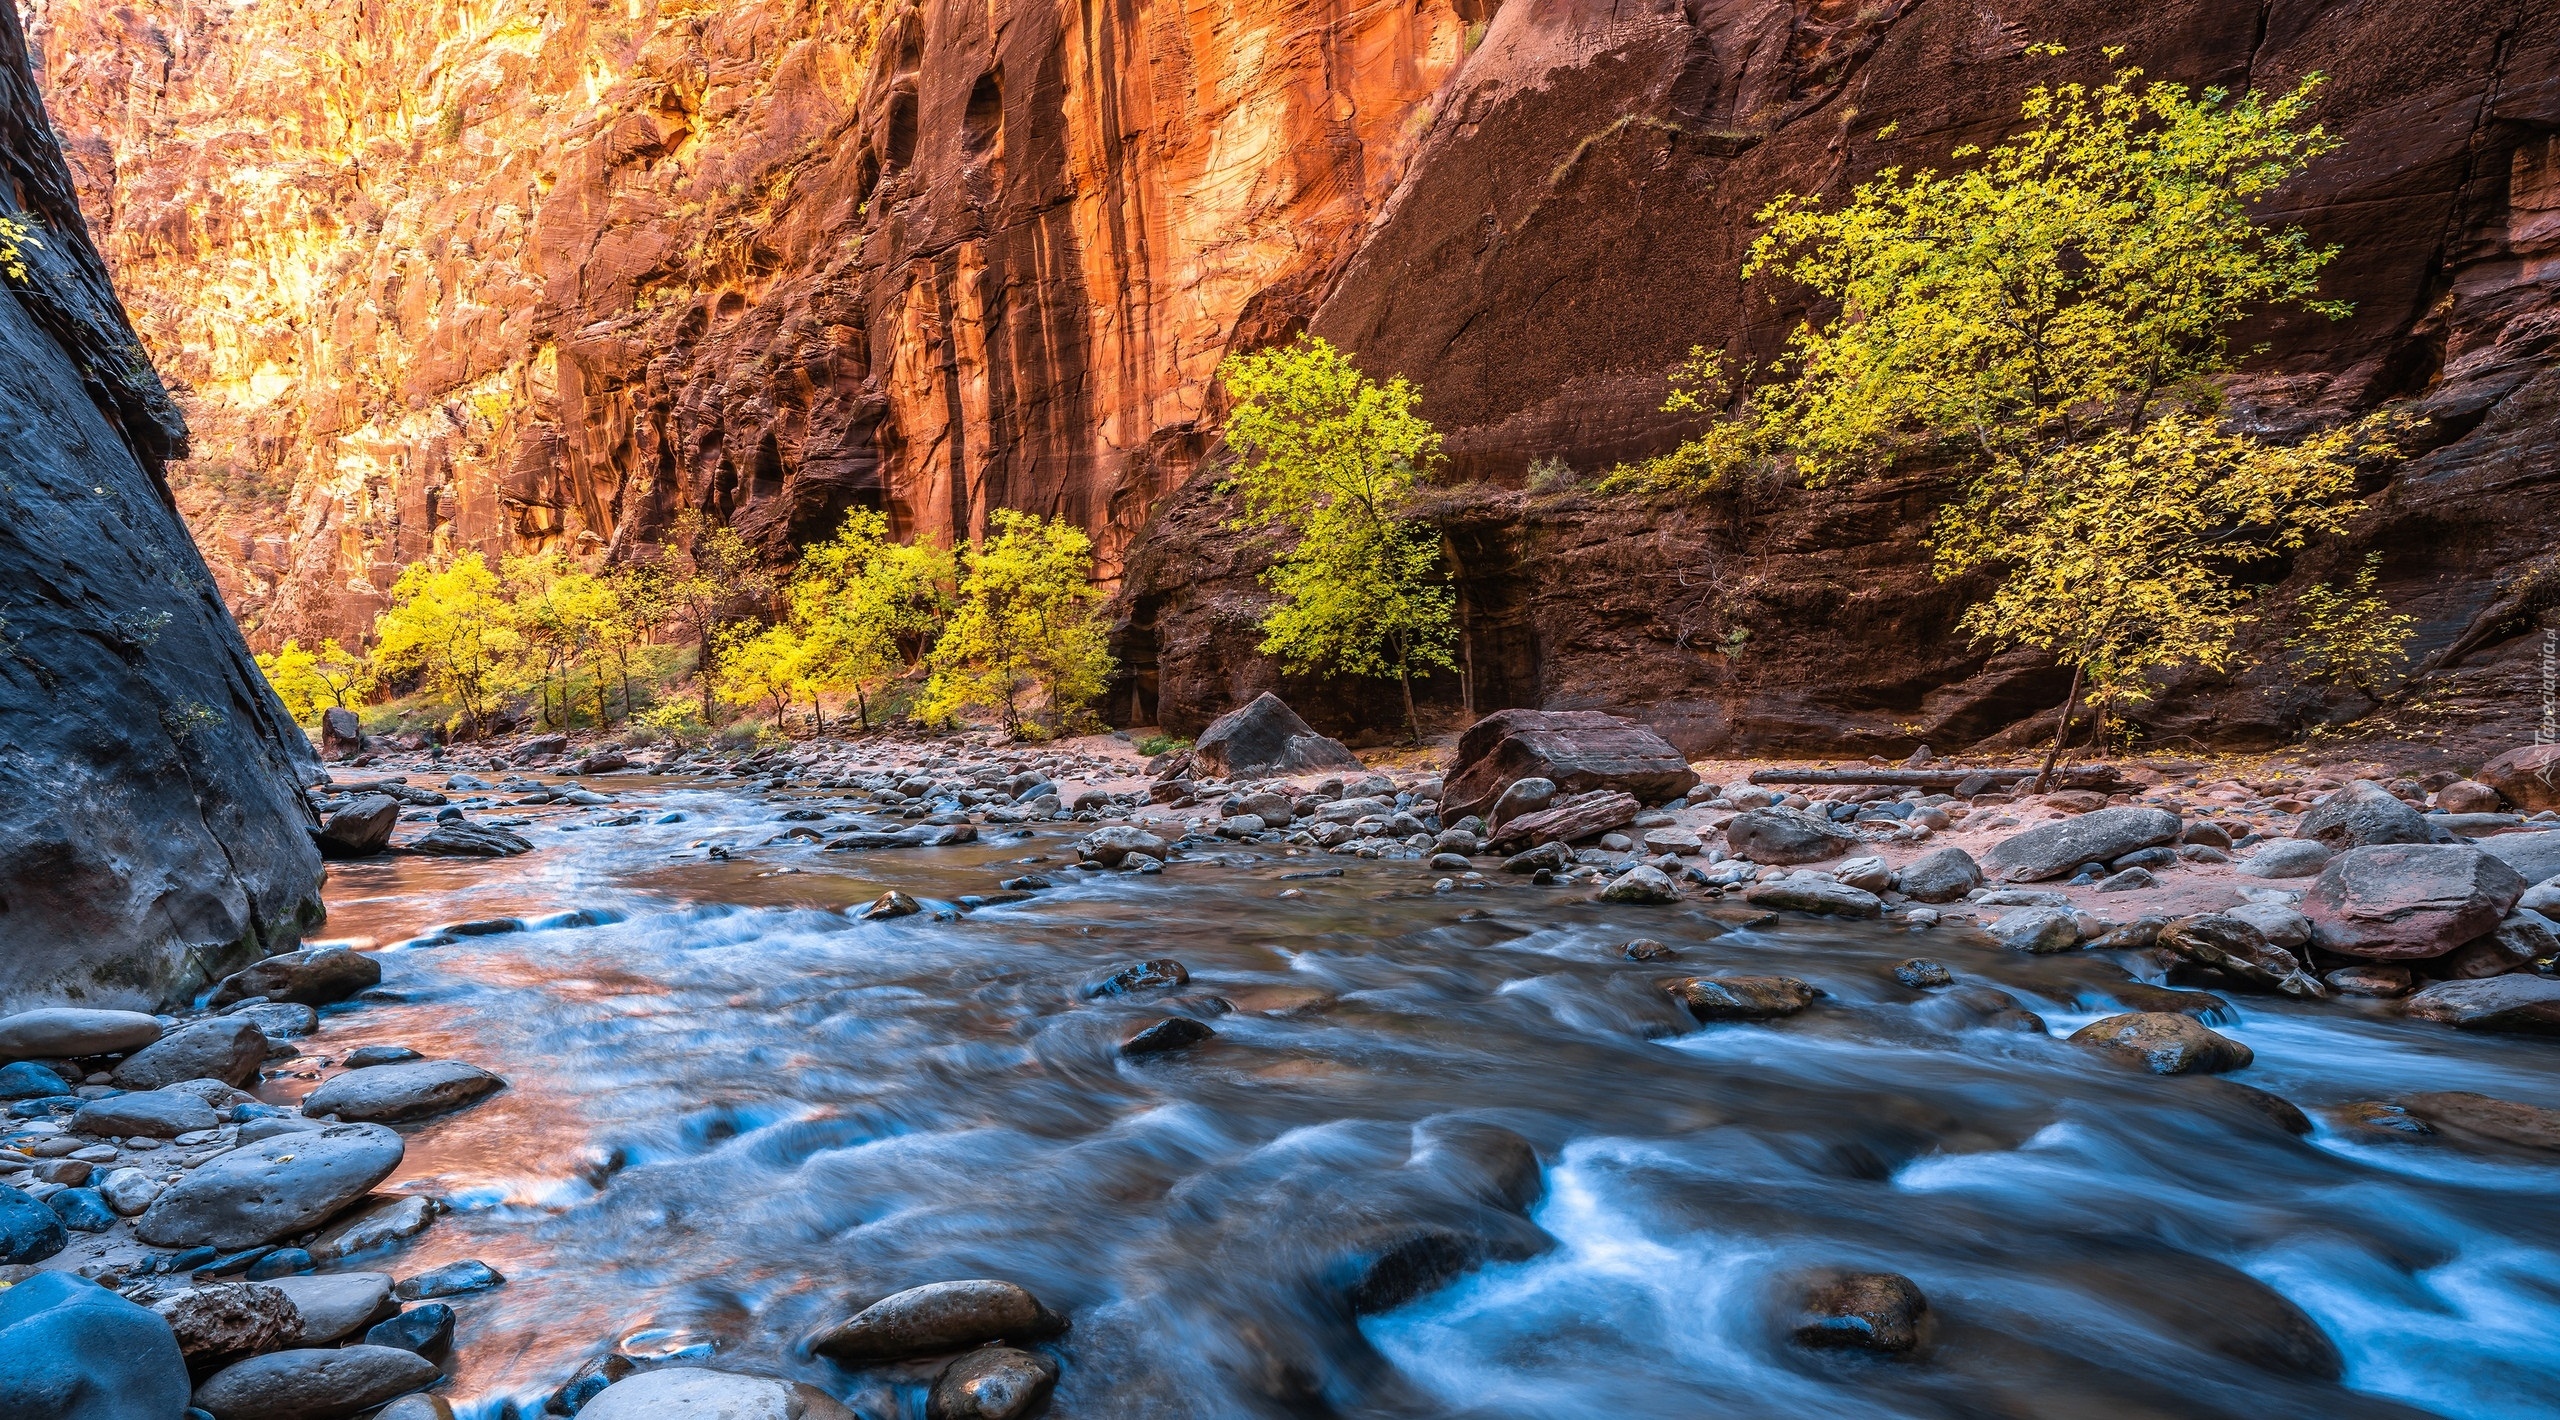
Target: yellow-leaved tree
<point x="309" y="682"/>
<point x="1025" y="626"/>
<point x="861" y="602"/>
<point x="453" y="628"/>
<point x="2048" y="322"/>
<point x="1331" y="457"/>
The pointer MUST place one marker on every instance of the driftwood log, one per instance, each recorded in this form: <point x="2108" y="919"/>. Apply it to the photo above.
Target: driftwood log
<point x="1945" y="780"/>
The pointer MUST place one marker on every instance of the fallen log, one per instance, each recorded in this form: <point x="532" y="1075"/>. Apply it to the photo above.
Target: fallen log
<point x="2081" y="777"/>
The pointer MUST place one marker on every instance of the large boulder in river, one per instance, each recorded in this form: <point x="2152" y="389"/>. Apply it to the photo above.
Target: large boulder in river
<point x="315" y="976"/>
<point x="2527" y="776"/>
<point x="225" y="1048"/>
<point x="2052" y="850"/>
<point x="57" y="1032"/>
<point x="152" y="825"/>
<point x="1265" y="739"/>
<point x="1942" y="876"/>
<point x="2534" y="856"/>
<point x="696" y="1393"/>
<point x="316" y="1384"/>
<point x="461" y="838"/>
<point x="360" y="830"/>
<point x="1579" y="750"/>
<point x="1780" y="835"/>
<point x="2361" y="815"/>
<point x="937" y="1317"/>
<point x="341" y="733"/>
<point x="1569" y="820"/>
<point x="393" y="1094"/>
<point x="2164" y="1042"/>
<point x="271" y="1189"/>
<point x="2515" y="1002"/>
<point x="72" y="1350"/>
<point x="2404" y="901"/>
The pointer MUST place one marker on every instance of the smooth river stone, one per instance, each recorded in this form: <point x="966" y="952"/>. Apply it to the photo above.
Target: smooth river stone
<point x="691" y="1393"/>
<point x="153" y="1114"/>
<point x="70" y="1348"/>
<point x="271" y="1189"/>
<point x="313" y="1384"/>
<point x="388" y="1094"/>
<point x="934" y="1318"/>
<point x="225" y="1048"/>
<point x="335" y="1304"/>
<point x="56" y="1032"/>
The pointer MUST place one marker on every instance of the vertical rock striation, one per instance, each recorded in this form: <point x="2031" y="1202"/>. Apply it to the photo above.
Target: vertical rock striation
<point x="152" y="829"/>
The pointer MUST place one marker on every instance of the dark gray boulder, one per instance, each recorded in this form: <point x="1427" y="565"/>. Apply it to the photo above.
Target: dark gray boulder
<point x="937" y="1317"/>
<point x="360" y="830"/>
<point x="2534" y="856"/>
<point x="2051" y="850"/>
<point x="2362" y="814"/>
<point x="1942" y="876"/>
<point x="699" y="1391"/>
<point x="1780" y="835"/>
<point x="152" y="1114"/>
<point x="391" y="1094"/>
<point x="1577" y="750"/>
<point x="313" y="1384"/>
<point x="341" y="733"/>
<point x="55" y="1032"/>
<point x="29" y="1232"/>
<point x="225" y="1048"/>
<point x="271" y="1189"/>
<point x="315" y="976"/>
<point x="153" y="833"/>
<point x="1265" y="739"/>
<point x="71" y="1348"/>
<point x="2514" y="1002"/>
<point x="461" y="838"/>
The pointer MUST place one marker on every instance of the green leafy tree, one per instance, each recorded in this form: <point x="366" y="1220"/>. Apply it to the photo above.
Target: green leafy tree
<point x="2348" y="635"/>
<point x="556" y="606"/>
<point x="452" y="627"/>
<point x="1331" y="457"/>
<point x="762" y="665"/>
<point x="309" y="682"/>
<point x="2048" y="322"/>
<point x="1026" y="626"/>
<point x="629" y="606"/>
<point x="860" y="600"/>
<point x="710" y="580"/>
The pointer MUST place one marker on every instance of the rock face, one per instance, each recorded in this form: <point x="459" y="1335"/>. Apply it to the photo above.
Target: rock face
<point x="1576" y="750"/>
<point x="2402" y="902"/>
<point x="69" y="1347"/>
<point x="599" y="267"/>
<point x="2050" y="850"/>
<point x="1265" y="739"/>
<point x="152" y="828"/>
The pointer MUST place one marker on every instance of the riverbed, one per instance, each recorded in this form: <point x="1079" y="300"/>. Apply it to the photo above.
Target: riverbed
<point x="736" y="1113"/>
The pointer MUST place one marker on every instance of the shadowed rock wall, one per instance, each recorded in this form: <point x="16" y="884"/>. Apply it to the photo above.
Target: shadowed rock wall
<point x="152" y="828"/>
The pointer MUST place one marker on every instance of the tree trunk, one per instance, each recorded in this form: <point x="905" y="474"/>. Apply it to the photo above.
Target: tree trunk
<point x="862" y="705"/>
<point x="1412" y="722"/>
<point x="2069" y="703"/>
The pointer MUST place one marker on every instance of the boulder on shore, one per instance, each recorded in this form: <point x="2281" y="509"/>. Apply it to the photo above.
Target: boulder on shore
<point x="341" y="733"/>
<point x="2052" y="850"/>
<point x="1783" y="836"/>
<point x="1265" y="739"/>
<point x="225" y="1048"/>
<point x="2513" y="1002"/>
<point x="2405" y="901"/>
<point x="686" y="1392"/>
<point x="1942" y="876"/>
<point x="271" y="1189"/>
<point x="393" y="1094"/>
<point x="2534" y="856"/>
<point x="313" y="1384"/>
<point x="60" y="1032"/>
<point x="2361" y="815"/>
<point x="2527" y="776"/>
<point x="71" y="1348"/>
<point x="1582" y="816"/>
<point x="461" y="838"/>
<point x="1577" y="750"/>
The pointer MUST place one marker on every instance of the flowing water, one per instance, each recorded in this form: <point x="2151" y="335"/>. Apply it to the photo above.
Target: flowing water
<point x="736" y="1114"/>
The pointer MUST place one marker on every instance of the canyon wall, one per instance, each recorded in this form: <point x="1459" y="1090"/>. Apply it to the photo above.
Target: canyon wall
<point x="535" y="273"/>
<point x="152" y="827"/>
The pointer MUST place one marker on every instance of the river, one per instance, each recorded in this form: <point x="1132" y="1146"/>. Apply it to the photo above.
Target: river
<point x="735" y="1114"/>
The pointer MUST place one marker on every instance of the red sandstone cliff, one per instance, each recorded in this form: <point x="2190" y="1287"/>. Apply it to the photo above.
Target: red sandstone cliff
<point x="547" y="273"/>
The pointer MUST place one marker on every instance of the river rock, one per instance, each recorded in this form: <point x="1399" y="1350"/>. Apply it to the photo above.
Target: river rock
<point x="2287" y="858"/>
<point x="937" y="1317"/>
<point x="2164" y="1043"/>
<point x="1163" y="1034"/>
<point x="271" y="1189"/>
<point x="1523" y="796"/>
<point x="1579" y="750"/>
<point x="1112" y="846"/>
<point x="2361" y="815"/>
<point x="2222" y="942"/>
<point x="72" y="1350"/>
<point x="128" y="1191"/>
<point x="360" y="829"/>
<point x="1642" y="885"/>
<point x="28" y="1230"/>
<point x="1920" y="973"/>
<point x="1265" y="739"/>
<point x="82" y="1210"/>
<point x="2469" y="796"/>
<point x="1784" y="836"/>
<point x="461" y="838"/>
<point x="1675" y="840"/>
<point x="218" y="1325"/>
<point x="2521" y="939"/>
<point x="2527" y="776"/>
<point x="1861" y="1311"/>
<point x="313" y="1384"/>
<point x="2404" y="901"/>
<point x="2051" y="850"/>
<point x="2370" y="979"/>
<point x="1137" y="976"/>
<point x="2515" y="1002"/>
<point x="391" y="1094"/>
<point x="693" y="1393"/>
<point x="1740" y="998"/>
<point x="223" y="1048"/>
<point x="1940" y="876"/>
<point x="2472" y="1117"/>
<point x="2534" y="856"/>
<point x="57" y="1032"/>
<point x="2278" y="923"/>
<point x="27" y="1080"/>
<point x="425" y="1329"/>
<point x="332" y="1305"/>
<point x="153" y="1114"/>
<point x="377" y="1223"/>
<point x="1570" y="820"/>
<point x="1977" y="1007"/>
<point x="991" y="1383"/>
<point x="451" y="1280"/>
<point x="1816" y="895"/>
<point x="315" y="976"/>
<point x="2038" y="931"/>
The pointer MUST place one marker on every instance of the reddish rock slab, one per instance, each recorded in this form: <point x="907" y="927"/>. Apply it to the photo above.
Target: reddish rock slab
<point x="1581" y="750"/>
<point x="2405" y="901"/>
